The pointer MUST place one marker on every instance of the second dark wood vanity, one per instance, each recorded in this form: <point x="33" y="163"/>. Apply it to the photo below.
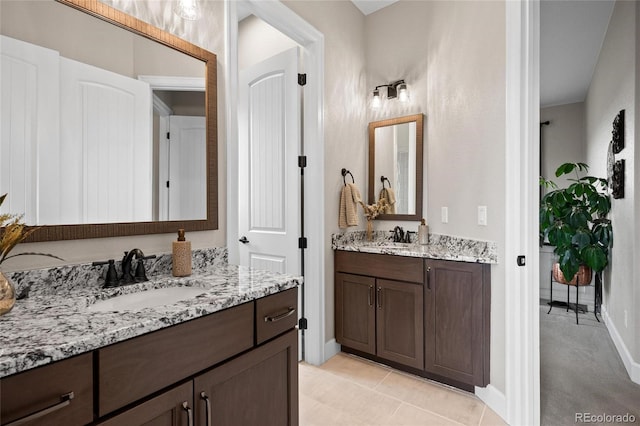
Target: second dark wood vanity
<point x="429" y="317"/>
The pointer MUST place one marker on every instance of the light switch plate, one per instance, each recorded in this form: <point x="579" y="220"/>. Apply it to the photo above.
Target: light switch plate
<point x="482" y="215"/>
<point x="445" y="215"/>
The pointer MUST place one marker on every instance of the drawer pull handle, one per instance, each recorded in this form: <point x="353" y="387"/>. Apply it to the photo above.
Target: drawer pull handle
<point x="370" y="295"/>
<point x="185" y="407"/>
<point x="65" y="400"/>
<point x="276" y="318"/>
<point x="207" y="403"/>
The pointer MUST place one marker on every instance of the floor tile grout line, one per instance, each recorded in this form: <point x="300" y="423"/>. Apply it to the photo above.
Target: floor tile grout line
<point x="434" y="413"/>
<point x="484" y="410"/>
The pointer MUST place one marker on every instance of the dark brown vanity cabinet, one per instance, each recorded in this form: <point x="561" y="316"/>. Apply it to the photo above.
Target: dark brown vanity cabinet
<point x="430" y="315"/>
<point x="238" y="366"/>
<point x="380" y="316"/>
<point x="457" y="320"/>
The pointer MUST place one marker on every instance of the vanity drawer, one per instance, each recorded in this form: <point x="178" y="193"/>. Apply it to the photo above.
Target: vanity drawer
<point x="43" y="393"/>
<point x="391" y="267"/>
<point x="276" y="314"/>
<point x="133" y="369"/>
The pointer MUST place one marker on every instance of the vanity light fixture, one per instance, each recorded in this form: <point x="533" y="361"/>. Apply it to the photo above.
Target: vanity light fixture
<point x="187" y="9"/>
<point x="397" y="89"/>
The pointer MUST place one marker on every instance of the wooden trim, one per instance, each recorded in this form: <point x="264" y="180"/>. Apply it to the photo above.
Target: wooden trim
<point x="83" y="231"/>
<point x="419" y="119"/>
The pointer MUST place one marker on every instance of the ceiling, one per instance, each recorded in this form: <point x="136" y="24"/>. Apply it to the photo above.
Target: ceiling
<point x="369" y="6"/>
<point x="571" y="36"/>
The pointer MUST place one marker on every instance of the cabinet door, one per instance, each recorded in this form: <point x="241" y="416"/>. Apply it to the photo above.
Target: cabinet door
<point x="58" y="394"/>
<point x="171" y="408"/>
<point x="400" y="322"/>
<point x="257" y="388"/>
<point x="355" y="313"/>
<point x="455" y="321"/>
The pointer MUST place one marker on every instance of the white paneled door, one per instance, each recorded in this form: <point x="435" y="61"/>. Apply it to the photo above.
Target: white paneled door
<point x="268" y="173"/>
<point x="187" y="168"/>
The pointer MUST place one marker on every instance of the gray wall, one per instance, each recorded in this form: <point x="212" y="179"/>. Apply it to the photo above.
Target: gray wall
<point x="614" y="88"/>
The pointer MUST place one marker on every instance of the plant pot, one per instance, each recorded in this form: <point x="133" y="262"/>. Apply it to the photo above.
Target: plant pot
<point x="583" y="277"/>
<point x="7" y="294"/>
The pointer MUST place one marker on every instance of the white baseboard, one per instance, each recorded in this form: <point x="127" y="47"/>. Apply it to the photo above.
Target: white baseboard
<point x="632" y="367"/>
<point x="331" y="348"/>
<point x="495" y="399"/>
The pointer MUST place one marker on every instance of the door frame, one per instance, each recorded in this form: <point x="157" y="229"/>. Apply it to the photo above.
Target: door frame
<point x="522" y="169"/>
<point x="289" y="23"/>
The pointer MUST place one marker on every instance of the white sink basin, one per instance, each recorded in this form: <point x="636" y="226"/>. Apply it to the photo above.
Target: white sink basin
<point x="146" y="299"/>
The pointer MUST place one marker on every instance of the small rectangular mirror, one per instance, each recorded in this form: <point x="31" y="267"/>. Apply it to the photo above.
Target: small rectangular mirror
<point x="395" y="166"/>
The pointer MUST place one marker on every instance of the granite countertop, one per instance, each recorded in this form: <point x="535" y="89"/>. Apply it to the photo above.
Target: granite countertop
<point x="53" y="322"/>
<point x="440" y="247"/>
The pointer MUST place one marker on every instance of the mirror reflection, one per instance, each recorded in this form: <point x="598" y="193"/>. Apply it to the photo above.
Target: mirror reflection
<point x="99" y="125"/>
<point x="395" y="166"/>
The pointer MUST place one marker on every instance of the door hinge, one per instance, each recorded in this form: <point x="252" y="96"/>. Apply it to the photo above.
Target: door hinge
<point x="302" y="323"/>
<point x="302" y="161"/>
<point x="168" y="135"/>
<point x="302" y="79"/>
<point x="167" y="184"/>
<point x="302" y="242"/>
<point x="521" y="260"/>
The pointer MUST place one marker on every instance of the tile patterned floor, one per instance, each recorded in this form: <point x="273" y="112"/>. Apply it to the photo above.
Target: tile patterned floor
<point x="348" y="390"/>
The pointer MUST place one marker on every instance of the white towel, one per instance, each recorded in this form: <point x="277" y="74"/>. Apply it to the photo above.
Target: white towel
<point x="349" y="200"/>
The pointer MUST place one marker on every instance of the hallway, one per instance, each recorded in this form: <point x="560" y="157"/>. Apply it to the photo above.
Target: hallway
<point x="581" y="372"/>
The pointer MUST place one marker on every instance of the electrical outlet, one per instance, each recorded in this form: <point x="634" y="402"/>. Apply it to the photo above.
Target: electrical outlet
<point x="626" y="325"/>
<point x="445" y="215"/>
<point x="482" y="215"/>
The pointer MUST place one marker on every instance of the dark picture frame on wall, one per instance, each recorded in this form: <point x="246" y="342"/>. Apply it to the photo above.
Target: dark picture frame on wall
<point x="618" y="133"/>
<point x="617" y="180"/>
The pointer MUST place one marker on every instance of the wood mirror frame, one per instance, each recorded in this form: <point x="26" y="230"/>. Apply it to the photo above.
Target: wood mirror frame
<point x="373" y="176"/>
<point x="100" y="230"/>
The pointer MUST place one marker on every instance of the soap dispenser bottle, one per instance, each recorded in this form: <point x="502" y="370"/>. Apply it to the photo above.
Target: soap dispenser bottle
<point x="181" y="259"/>
<point x="423" y="233"/>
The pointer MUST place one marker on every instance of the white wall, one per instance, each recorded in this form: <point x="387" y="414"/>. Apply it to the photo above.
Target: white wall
<point x="207" y="33"/>
<point x="452" y="56"/>
<point x="258" y="41"/>
<point x="614" y="88"/>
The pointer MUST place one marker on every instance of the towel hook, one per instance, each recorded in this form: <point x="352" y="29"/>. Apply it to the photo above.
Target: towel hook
<point x="346" y="172"/>
<point x="382" y="179"/>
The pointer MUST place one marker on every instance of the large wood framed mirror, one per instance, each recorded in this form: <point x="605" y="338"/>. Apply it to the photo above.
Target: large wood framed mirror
<point x="395" y="166"/>
<point x="109" y="125"/>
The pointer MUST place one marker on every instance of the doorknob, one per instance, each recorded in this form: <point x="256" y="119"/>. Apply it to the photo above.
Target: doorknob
<point x="243" y="240"/>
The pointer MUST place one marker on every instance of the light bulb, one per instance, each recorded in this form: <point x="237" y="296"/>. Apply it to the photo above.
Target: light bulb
<point x="187" y="9"/>
<point x="403" y="93"/>
<point x="376" y="102"/>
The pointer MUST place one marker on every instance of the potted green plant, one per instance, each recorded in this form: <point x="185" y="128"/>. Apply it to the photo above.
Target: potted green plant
<point x="574" y="221"/>
<point x="12" y="232"/>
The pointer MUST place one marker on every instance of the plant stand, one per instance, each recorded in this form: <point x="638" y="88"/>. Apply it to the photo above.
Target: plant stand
<point x="575" y="307"/>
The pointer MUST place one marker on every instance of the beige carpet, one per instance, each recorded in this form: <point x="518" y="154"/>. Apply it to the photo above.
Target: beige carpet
<point x="581" y="373"/>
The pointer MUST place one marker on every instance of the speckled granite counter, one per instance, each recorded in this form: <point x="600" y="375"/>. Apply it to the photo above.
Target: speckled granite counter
<point x="440" y="247"/>
<point x="51" y="320"/>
